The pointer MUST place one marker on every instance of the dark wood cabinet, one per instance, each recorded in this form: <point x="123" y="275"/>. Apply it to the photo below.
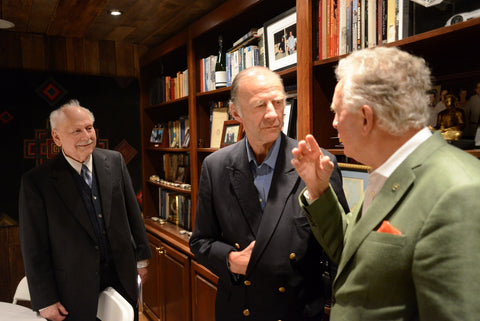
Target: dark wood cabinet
<point x="204" y="290"/>
<point x="166" y="294"/>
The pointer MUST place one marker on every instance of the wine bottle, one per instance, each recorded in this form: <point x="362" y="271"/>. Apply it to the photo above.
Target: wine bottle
<point x="220" y="73"/>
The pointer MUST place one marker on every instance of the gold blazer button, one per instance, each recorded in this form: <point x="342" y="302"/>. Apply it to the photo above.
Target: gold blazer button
<point x="246" y="312"/>
<point x="282" y="289"/>
<point x="237" y="246"/>
<point x="247" y="282"/>
<point x="292" y="256"/>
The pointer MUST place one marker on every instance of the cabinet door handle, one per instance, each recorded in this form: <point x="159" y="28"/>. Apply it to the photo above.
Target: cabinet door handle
<point x="160" y="250"/>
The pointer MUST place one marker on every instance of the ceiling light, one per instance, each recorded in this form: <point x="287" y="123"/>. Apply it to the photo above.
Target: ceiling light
<point x="4" y="24"/>
<point x="115" y="12"/>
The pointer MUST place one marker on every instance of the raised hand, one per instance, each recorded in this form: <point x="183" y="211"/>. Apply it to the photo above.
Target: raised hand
<point x="312" y="166"/>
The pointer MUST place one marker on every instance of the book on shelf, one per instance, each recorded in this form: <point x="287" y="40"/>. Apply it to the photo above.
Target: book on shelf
<point x="171" y="163"/>
<point x="249" y="35"/>
<point x="391" y="20"/>
<point x="342" y="34"/>
<point x="175" y="208"/>
<point x="372" y="23"/>
<point x="167" y="88"/>
<point x="261" y="47"/>
<point x="349" y="26"/>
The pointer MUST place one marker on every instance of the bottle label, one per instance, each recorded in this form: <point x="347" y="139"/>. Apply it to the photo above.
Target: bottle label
<point x="220" y="79"/>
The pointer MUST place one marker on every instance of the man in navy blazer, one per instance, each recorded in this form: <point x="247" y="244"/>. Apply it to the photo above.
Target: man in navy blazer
<point x="80" y="236"/>
<point x="249" y="229"/>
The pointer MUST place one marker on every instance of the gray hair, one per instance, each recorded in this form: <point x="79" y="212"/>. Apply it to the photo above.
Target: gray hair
<point x="392" y="82"/>
<point x="58" y="114"/>
<point x="244" y="73"/>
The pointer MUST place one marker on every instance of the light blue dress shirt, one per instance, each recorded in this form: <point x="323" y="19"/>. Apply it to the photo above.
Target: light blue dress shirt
<point x="263" y="173"/>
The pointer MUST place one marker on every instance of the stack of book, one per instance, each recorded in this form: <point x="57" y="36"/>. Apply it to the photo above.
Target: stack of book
<point x="175" y="208"/>
<point x="348" y="25"/>
<point x="167" y="88"/>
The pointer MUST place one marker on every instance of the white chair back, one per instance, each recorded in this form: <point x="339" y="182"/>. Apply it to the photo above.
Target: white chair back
<point x="113" y="307"/>
<point x="21" y="293"/>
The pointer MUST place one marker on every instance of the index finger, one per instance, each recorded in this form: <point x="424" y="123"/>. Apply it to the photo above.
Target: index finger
<point x="313" y="145"/>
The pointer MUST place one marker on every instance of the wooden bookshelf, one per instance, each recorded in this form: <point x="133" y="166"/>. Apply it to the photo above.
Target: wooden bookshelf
<point x="447" y="50"/>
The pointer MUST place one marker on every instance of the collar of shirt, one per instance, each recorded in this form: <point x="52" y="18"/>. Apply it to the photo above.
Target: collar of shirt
<point x="271" y="158"/>
<point x="77" y="166"/>
<point x="387" y="168"/>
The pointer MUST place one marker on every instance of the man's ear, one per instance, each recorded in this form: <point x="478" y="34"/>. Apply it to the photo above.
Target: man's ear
<point x="56" y="138"/>
<point x="368" y="118"/>
<point x="234" y="112"/>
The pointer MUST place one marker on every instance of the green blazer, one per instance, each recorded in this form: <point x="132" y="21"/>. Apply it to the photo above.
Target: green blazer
<point x="430" y="271"/>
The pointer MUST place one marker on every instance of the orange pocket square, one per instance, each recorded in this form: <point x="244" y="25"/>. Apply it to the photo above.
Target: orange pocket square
<point x="386" y="227"/>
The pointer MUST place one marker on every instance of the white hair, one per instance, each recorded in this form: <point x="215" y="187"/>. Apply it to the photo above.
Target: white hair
<point x="58" y="114"/>
<point x="392" y="82"/>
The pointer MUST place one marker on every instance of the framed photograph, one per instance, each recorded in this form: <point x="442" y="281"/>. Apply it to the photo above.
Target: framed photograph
<point x="355" y="181"/>
<point x="281" y="40"/>
<point x="232" y="132"/>
<point x="181" y="175"/>
<point x="157" y="135"/>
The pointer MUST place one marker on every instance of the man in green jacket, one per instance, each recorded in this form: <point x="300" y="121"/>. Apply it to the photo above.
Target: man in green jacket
<point x="413" y="253"/>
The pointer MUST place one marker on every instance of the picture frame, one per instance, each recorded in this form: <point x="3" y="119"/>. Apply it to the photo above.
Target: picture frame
<point x="281" y="40"/>
<point x="182" y="174"/>
<point x="159" y="136"/>
<point x="355" y="181"/>
<point x="232" y="132"/>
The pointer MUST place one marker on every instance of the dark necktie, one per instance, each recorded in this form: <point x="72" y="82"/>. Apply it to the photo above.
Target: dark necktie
<point x="86" y="175"/>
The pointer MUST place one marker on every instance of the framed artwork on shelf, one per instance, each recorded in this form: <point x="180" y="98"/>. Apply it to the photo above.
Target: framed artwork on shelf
<point x="181" y="175"/>
<point x="232" y="132"/>
<point x="281" y="40"/>
<point x="355" y="181"/>
<point x="159" y="136"/>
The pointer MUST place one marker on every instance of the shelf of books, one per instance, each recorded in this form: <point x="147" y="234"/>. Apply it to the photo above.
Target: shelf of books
<point x="439" y="31"/>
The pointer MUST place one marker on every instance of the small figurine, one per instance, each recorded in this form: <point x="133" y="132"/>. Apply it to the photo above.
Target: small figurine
<point x="450" y="121"/>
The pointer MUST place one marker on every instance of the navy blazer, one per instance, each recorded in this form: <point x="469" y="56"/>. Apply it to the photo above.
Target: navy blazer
<point x="284" y="276"/>
<point x="59" y="247"/>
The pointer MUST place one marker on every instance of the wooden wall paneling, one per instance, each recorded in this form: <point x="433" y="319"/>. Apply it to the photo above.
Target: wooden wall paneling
<point x="107" y="58"/>
<point x="124" y="55"/>
<point x="92" y="57"/>
<point x="33" y="52"/>
<point x="10" y="50"/>
<point x="56" y="54"/>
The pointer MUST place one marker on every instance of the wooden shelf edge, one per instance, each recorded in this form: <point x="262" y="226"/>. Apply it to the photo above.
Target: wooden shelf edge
<point x="170" y="234"/>
<point x="169" y="103"/>
<point x="171" y="187"/>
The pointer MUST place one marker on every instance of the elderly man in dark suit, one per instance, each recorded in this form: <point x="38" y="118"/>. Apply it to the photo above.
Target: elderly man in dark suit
<point x="80" y="224"/>
<point x="249" y="228"/>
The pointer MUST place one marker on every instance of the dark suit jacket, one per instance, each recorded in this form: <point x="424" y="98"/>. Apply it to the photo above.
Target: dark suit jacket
<point x="284" y="278"/>
<point x="59" y="247"/>
<point x="430" y="271"/>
